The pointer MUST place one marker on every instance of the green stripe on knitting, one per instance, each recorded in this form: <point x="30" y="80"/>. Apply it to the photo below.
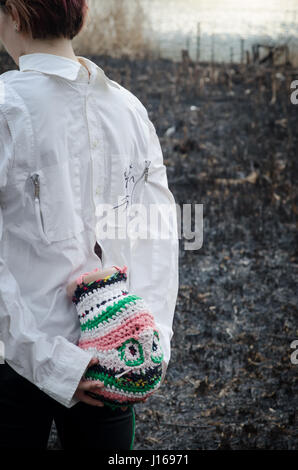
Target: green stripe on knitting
<point x="111" y="311"/>
<point x="120" y="383"/>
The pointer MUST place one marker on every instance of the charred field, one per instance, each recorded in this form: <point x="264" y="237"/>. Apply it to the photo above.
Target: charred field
<point x="229" y="138"/>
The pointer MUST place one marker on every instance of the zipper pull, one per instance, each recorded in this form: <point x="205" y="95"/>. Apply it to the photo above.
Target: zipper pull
<point x="35" y="179"/>
<point x="146" y="171"/>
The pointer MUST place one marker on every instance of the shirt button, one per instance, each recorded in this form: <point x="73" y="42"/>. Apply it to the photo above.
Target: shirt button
<point x="94" y="143"/>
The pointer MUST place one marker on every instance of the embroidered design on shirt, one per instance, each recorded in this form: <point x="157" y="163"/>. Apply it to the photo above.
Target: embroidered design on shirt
<point x="131" y="182"/>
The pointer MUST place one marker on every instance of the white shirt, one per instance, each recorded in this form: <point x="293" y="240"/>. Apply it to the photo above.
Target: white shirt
<point x="84" y="142"/>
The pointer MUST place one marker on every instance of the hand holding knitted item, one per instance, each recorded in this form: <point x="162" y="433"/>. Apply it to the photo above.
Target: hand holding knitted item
<point x="119" y="329"/>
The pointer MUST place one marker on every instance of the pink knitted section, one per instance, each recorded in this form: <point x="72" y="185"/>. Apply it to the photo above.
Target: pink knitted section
<point x="130" y="329"/>
<point x="116" y="396"/>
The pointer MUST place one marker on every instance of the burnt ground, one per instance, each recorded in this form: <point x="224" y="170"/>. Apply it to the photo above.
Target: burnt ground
<point x="230" y="382"/>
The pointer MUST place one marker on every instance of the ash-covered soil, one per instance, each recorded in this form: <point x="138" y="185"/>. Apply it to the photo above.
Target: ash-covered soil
<point x="233" y="148"/>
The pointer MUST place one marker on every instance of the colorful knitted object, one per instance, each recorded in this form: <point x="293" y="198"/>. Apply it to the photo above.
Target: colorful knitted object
<point x="119" y="329"/>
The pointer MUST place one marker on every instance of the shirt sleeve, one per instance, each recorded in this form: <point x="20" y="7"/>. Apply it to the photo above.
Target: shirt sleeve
<point x="152" y="261"/>
<point x="53" y="364"/>
<point x="154" y="271"/>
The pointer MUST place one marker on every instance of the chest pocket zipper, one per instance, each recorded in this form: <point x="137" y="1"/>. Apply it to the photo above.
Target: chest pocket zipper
<point x="37" y="207"/>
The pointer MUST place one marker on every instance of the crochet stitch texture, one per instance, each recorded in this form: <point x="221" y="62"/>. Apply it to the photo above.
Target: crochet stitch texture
<point x="119" y="329"/>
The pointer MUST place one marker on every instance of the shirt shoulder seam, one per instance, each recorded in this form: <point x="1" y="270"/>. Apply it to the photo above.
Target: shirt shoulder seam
<point x="17" y="99"/>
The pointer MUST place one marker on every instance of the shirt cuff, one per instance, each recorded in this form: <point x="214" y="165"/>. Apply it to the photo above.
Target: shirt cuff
<point x="66" y="374"/>
<point x="165" y="336"/>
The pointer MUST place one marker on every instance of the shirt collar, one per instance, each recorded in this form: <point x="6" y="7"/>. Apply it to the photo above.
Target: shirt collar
<point x="62" y="67"/>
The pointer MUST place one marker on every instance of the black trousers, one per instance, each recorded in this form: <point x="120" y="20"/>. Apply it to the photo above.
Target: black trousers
<point x="27" y="413"/>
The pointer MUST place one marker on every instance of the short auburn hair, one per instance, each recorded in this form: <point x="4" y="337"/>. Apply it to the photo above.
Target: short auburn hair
<point x="49" y="18"/>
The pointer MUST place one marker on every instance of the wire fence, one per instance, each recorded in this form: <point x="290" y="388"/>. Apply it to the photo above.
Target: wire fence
<point x="138" y="28"/>
<point x="206" y="45"/>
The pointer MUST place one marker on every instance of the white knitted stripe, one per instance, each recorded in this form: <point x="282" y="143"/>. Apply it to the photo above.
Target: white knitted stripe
<point x="103" y="292"/>
<point x="117" y="391"/>
<point x="112" y="388"/>
<point x="121" y="316"/>
<point x="98" y="310"/>
<point x="99" y="295"/>
<point x="109" y="359"/>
